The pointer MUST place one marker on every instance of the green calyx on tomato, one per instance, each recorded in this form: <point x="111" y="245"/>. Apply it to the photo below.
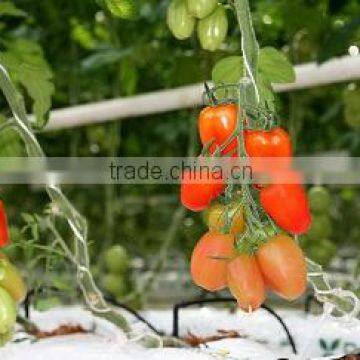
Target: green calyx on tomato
<point x="7" y="312"/>
<point x="116" y="259"/>
<point x="201" y="8"/>
<point x="320" y="199"/>
<point x="213" y="29"/>
<point x="179" y="21"/>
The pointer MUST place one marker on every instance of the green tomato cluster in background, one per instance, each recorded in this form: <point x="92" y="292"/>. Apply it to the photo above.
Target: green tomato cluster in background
<point x="209" y="17"/>
<point x="115" y="280"/>
<point x="317" y="242"/>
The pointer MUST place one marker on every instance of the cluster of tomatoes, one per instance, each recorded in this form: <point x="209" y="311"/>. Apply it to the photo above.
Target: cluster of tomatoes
<point x="208" y="15"/>
<point x="248" y="259"/>
<point x="12" y="287"/>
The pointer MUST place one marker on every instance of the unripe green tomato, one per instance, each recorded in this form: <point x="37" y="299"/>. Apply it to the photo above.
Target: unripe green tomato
<point x="321" y="228"/>
<point x="201" y="8"/>
<point x="322" y="251"/>
<point x="179" y="21"/>
<point x="212" y="30"/>
<point x="7" y="312"/>
<point x="114" y="284"/>
<point x="5" y="338"/>
<point x="11" y="280"/>
<point x="116" y="259"/>
<point x="320" y="199"/>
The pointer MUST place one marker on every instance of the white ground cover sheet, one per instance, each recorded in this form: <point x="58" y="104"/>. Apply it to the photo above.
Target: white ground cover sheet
<point x="264" y="339"/>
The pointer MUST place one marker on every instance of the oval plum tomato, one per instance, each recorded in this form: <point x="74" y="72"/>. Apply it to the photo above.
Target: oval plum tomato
<point x="197" y="190"/>
<point x="213" y="29"/>
<point x="116" y="259"/>
<point x="209" y="260"/>
<point x="7" y="312"/>
<point x="201" y="8"/>
<point x="245" y="282"/>
<point x="287" y="205"/>
<point x="217" y="123"/>
<point x="12" y="281"/>
<point x="216" y="218"/>
<point x="179" y="21"/>
<point x="320" y="199"/>
<point x="282" y="264"/>
<point x="264" y="144"/>
<point x="4" y="231"/>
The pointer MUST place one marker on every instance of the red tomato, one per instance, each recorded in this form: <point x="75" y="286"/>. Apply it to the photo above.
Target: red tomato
<point x="245" y="282"/>
<point x="217" y="123"/>
<point x="261" y="144"/>
<point x="4" y="232"/>
<point x="273" y="143"/>
<point x="283" y="266"/>
<point x="287" y="205"/>
<point x="197" y="191"/>
<point x="209" y="260"/>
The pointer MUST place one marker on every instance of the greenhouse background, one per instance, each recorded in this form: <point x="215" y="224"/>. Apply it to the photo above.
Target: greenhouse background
<point x="112" y="81"/>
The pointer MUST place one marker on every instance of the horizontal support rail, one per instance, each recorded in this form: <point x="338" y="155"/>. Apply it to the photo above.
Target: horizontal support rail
<point x="308" y="75"/>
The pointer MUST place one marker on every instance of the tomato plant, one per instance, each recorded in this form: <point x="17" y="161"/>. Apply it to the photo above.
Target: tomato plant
<point x="197" y="191"/>
<point x="283" y="266"/>
<point x="213" y="29"/>
<point x="180" y="22"/>
<point x="246" y="282"/>
<point x="209" y="260"/>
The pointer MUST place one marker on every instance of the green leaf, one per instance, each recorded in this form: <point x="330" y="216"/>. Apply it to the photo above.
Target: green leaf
<point x="228" y="70"/>
<point x="102" y="58"/>
<point x="124" y="9"/>
<point x="27" y="66"/>
<point x="266" y="93"/>
<point x="275" y="67"/>
<point x="9" y="9"/>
